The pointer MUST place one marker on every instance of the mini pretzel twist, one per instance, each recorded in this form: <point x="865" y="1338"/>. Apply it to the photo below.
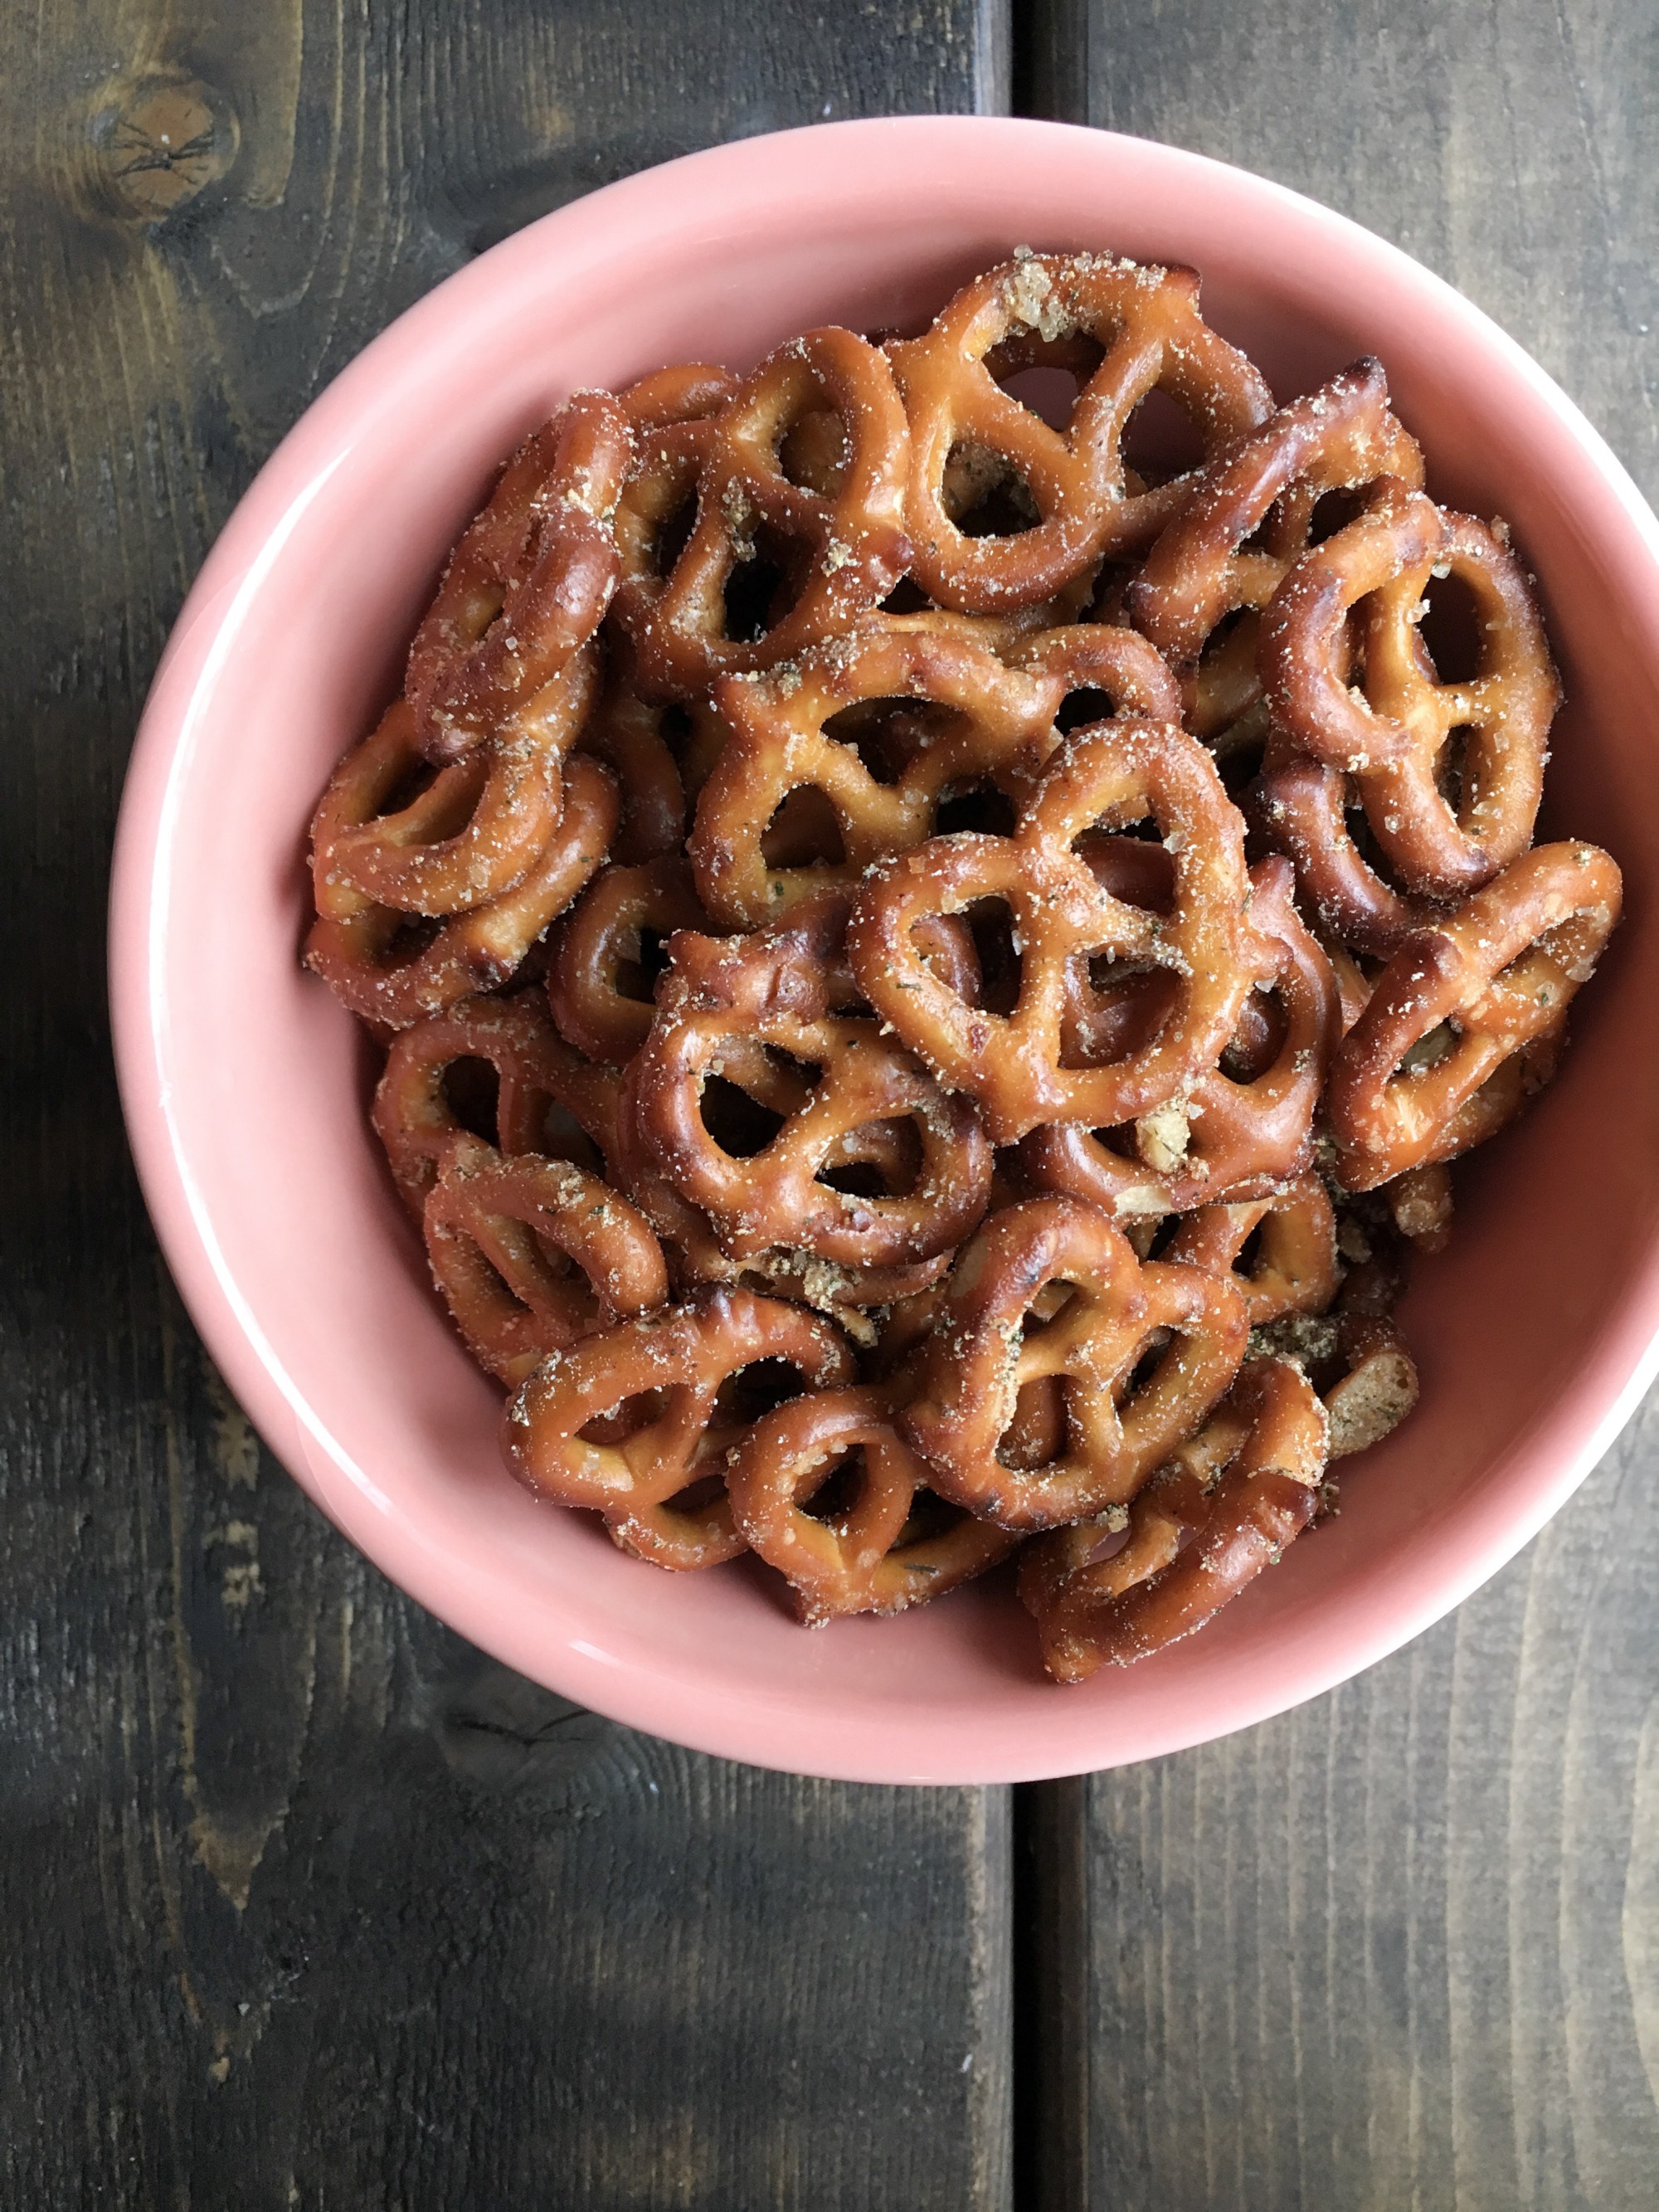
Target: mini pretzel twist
<point x="972" y="717"/>
<point x="598" y="980"/>
<point x="1200" y="1532"/>
<point x="880" y="1551"/>
<point x="1151" y="338"/>
<point x="531" y="1254"/>
<point x="527" y="586"/>
<point x="1222" y="1137"/>
<point x="772" y="992"/>
<point x="1393" y="731"/>
<point x="997" y="1334"/>
<point x="389" y="967"/>
<point x="1295" y="1269"/>
<point x="534" y="1071"/>
<point x="657" y="1391"/>
<point x="1498" y="975"/>
<point x="1246" y="524"/>
<point x="1301" y="808"/>
<point x="1013" y="1064"/>
<point x="839" y="548"/>
<point x="390" y="830"/>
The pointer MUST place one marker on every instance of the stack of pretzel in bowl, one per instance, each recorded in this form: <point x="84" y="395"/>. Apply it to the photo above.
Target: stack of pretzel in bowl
<point x="931" y="969"/>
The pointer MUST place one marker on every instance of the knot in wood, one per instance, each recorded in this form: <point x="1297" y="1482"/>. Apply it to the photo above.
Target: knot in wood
<point x="157" y="141"/>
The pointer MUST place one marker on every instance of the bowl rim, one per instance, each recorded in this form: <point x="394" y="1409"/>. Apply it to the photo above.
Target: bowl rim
<point x="1618" y="1369"/>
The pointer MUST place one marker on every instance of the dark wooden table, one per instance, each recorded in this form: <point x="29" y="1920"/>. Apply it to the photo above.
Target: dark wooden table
<point x="307" y="1904"/>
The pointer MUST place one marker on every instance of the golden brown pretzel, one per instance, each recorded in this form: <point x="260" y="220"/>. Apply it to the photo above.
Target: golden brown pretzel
<point x="1301" y="808"/>
<point x="600" y="978"/>
<point x="1393" y="730"/>
<point x="660" y="1389"/>
<point x="837" y="552"/>
<point x="1151" y="337"/>
<point x="1202" y="1529"/>
<point x="1000" y="1327"/>
<point x="772" y="993"/>
<point x="1219" y="1136"/>
<point x="389" y="967"/>
<point x="1248" y="521"/>
<point x="532" y="1253"/>
<point x="1013" y="1065"/>
<point x="879" y="1550"/>
<point x="639" y="743"/>
<point x="972" y="718"/>
<point x="413" y="1114"/>
<point x="528" y="584"/>
<point x="1492" y="984"/>
<point x="1295" y="1268"/>
<point x="392" y="830"/>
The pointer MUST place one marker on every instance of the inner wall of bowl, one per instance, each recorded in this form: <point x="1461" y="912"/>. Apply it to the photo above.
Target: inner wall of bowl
<point x="266" y="1076"/>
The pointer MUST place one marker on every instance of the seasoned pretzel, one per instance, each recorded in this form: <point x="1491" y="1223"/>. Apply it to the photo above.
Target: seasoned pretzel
<point x="1201" y="1530"/>
<point x="527" y="586"/>
<point x="838" y="551"/>
<point x="1357" y="1362"/>
<point x="994" y="1337"/>
<point x="654" y="1387"/>
<point x="1300" y="805"/>
<point x="1012" y="1064"/>
<point x="1393" y="730"/>
<point x="881" y="1550"/>
<point x="1248" y="519"/>
<point x="531" y="1254"/>
<point x="1295" y="1268"/>
<point x="599" y="980"/>
<point x="884" y="779"/>
<point x="1146" y="321"/>
<point x="1220" y="1137"/>
<point x="413" y="1115"/>
<point x="772" y="992"/>
<point x="1499" y="974"/>
<point x="469" y="832"/>
<point x="388" y="968"/>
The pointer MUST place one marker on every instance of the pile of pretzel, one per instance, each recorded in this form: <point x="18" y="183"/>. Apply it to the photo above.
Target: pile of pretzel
<point x="930" y="968"/>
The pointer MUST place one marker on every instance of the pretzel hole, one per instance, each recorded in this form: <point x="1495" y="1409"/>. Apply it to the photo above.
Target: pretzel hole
<point x="813" y="451"/>
<point x="975" y="806"/>
<point x="1149" y="1358"/>
<point x="758" y="592"/>
<point x="642" y="1410"/>
<point x="1133" y="865"/>
<point x="470" y="1088"/>
<point x="1049" y="393"/>
<point x="1452" y="765"/>
<point x="887" y="734"/>
<point x="885" y="1161"/>
<point x="737" y="1121"/>
<point x="702" y="1493"/>
<point x="1161" y="439"/>
<point x="1451" y="632"/>
<point x="1086" y="705"/>
<point x="1335" y="510"/>
<point x="929" y="1517"/>
<point x="672" y="535"/>
<point x="676" y="728"/>
<point x="907" y="597"/>
<point x="805" y="831"/>
<point x="838" y="1488"/>
<point x="996" y="947"/>
<point x="641" y="957"/>
<point x="1036" y="1435"/>
<point x="985" y="495"/>
<point x="757" y="1389"/>
<point x="562" y="1137"/>
<point x="1440" y="1044"/>
<point x="1257" y="1042"/>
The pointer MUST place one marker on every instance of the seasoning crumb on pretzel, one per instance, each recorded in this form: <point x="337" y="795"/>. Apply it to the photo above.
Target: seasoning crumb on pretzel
<point x="933" y="954"/>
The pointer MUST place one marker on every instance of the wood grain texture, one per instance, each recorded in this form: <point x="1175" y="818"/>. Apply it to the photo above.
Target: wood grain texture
<point x="302" y="1903"/>
<point x="1399" y="1949"/>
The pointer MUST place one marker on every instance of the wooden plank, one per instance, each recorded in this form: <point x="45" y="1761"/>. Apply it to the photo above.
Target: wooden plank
<point x="1401" y="1948"/>
<point x="303" y="1903"/>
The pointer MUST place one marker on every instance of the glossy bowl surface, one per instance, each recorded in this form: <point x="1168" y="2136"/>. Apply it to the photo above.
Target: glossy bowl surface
<point x="244" y="1085"/>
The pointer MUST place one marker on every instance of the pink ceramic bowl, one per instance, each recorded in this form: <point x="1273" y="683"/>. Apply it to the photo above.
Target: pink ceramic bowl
<point x="244" y="1085"/>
